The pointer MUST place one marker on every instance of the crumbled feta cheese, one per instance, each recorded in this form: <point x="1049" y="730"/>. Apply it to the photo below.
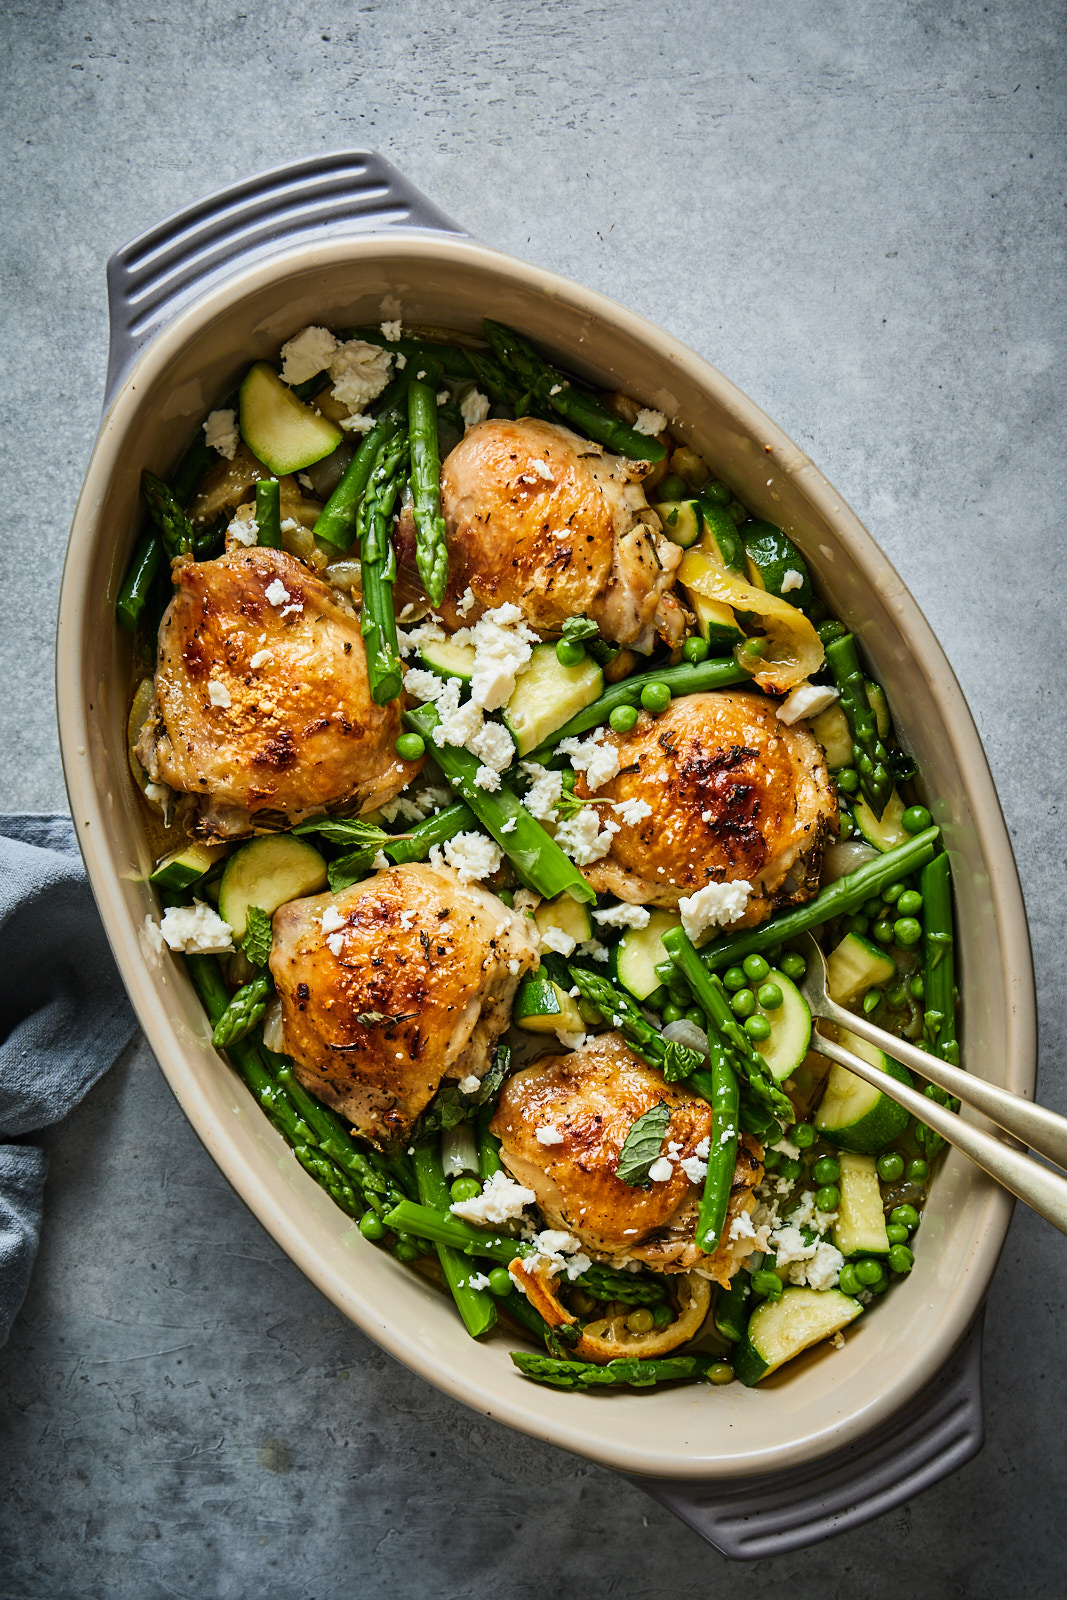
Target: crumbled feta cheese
<point x="501" y="1200"/>
<point x="465" y="601"/>
<point x="559" y="1251"/>
<point x="335" y="943"/>
<point x="332" y="920"/>
<point x="277" y="593"/>
<point x="650" y="422"/>
<point x="260" y="659"/>
<point x="790" y="1245"/>
<point x="556" y="389"/>
<point x="714" y="906"/>
<point x="305" y="482"/>
<point x="624" y="916"/>
<point x="487" y="778"/>
<point x="494" y="745"/>
<point x="786" y="1147"/>
<point x="423" y="685"/>
<point x="470" y="1084"/>
<point x="661" y="1170"/>
<point x="513" y="966"/>
<point x="556" y="939"/>
<point x="221" y="433"/>
<point x="196" y="930"/>
<point x="358" y="422"/>
<point x="472" y="855"/>
<point x="599" y="761"/>
<point x="218" y="694"/>
<point x="443" y="397"/>
<point x="594" y="948"/>
<point x="477" y="1280"/>
<point x="391" y="330"/>
<point x="503" y="645"/>
<point x="806" y="701"/>
<point x="243" y="529"/>
<point x="153" y="934"/>
<point x="380" y="862"/>
<point x="791" y="579"/>
<point x="570" y="1041"/>
<point x="429" y="632"/>
<point x="632" y="812"/>
<point x="307" y="354"/>
<point x="822" y="1270"/>
<point x="695" y="1169"/>
<point x="473" y="408"/>
<point x="582" y="838"/>
<point x="458" y="723"/>
<point x="542" y="469"/>
<point x="546" y="788"/>
<point x="548" y="1133"/>
<point x="360" y="372"/>
<point x="400" y="360"/>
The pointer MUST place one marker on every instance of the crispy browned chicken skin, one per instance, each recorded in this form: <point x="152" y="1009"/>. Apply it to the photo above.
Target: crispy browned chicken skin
<point x="735" y="794"/>
<point x="592" y="1098"/>
<point x="415" y="985"/>
<point x="263" y="709"/>
<point x="549" y="522"/>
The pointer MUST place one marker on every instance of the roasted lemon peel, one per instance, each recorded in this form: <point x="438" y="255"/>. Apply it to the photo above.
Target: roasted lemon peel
<point x="794" y="649"/>
<point x="609" y="1338"/>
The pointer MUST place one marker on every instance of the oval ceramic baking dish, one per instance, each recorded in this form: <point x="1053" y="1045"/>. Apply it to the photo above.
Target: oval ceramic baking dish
<point x="225" y="285"/>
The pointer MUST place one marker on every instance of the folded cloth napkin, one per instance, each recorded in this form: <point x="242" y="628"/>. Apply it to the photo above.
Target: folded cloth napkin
<point x="64" y="1017"/>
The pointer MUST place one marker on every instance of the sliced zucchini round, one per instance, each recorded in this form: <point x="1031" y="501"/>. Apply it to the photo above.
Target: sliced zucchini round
<point x="721" y="539"/>
<point x="187" y="865"/>
<point x="854" y="1114"/>
<point x="142" y="702"/>
<point x="884" y="832"/>
<point x="683" y="521"/>
<point x="717" y="624"/>
<point x="633" y="960"/>
<point x="548" y="694"/>
<point x="860" y="1226"/>
<point x="790" y="1028"/>
<point x="449" y="660"/>
<point x="774" y="563"/>
<point x="855" y="966"/>
<point x="279" y="429"/>
<point x="567" y="916"/>
<point x="268" y="872"/>
<point x="541" y="1006"/>
<point x="778" y="1330"/>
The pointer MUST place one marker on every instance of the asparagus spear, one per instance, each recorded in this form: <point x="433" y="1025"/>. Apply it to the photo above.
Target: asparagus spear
<point x="872" y="759"/>
<point x="729" y="1316"/>
<point x="939" y="984"/>
<point x="685" y="679"/>
<point x="431" y="550"/>
<point x="136" y="586"/>
<point x="536" y="857"/>
<point x="553" y="388"/>
<point x="176" y="531"/>
<point x="623" y="1012"/>
<point x="243" y="1012"/>
<point x="497" y="383"/>
<point x="627" y="1369"/>
<point x="435" y="830"/>
<point x="337" y="520"/>
<point x="475" y="1306"/>
<point x="836" y="900"/>
<point x="722" y="1154"/>
<point x="488" y="1145"/>
<point x="377" y="566"/>
<point x="268" y="514"/>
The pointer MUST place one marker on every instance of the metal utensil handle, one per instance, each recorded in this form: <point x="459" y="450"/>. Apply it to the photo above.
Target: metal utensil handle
<point x="347" y="192"/>
<point x="1043" y="1190"/>
<point x="1043" y="1130"/>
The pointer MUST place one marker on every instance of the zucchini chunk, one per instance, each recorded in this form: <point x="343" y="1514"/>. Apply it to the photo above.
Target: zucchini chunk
<point x="567" y="916"/>
<point x="855" y="966"/>
<point x="187" y="865"/>
<point x="541" y="1006"/>
<point x="722" y="541"/>
<point x="856" y="1115"/>
<point x="860" y="1226"/>
<point x="774" y="561"/>
<point x="790" y="1033"/>
<point x="268" y="872"/>
<point x="449" y="660"/>
<point x="683" y="521"/>
<point x="831" y="729"/>
<point x="884" y="832"/>
<point x="633" y="960"/>
<point x="717" y="623"/>
<point x="547" y="694"/>
<point x="280" y="430"/>
<point x="778" y="1330"/>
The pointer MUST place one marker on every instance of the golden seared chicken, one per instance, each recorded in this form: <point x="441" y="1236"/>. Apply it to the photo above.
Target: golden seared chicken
<point x="735" y="794"/>
<point x="583" y="1105"/>
<point x="262" y="707"/>
<point x="547" y="521"/>
<point x="394" y="984"/>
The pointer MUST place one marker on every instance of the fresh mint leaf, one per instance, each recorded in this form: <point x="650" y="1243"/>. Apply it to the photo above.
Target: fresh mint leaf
<point x="258" y="936"/>
<point x="577" y="629"/>
<point x="642" y="1145"/>
<point x="350" y="869"/>
<point x="350" y="831"/>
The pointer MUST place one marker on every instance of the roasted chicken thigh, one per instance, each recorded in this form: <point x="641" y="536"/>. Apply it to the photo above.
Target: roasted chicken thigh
<point x="399" y="981"/>
<point x="262" y="708"/>
<point x="735" y="794"/>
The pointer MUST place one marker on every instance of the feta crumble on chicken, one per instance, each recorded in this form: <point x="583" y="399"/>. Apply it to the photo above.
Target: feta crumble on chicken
<point x="714" y="906"/>
<point x="501" y="1200"/>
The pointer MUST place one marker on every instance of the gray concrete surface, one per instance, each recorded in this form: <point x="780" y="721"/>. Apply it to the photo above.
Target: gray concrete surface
<point x="856" y="210"/>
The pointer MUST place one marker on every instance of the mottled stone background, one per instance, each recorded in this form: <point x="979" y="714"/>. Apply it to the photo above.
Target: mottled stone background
<point x="856" y="211"/>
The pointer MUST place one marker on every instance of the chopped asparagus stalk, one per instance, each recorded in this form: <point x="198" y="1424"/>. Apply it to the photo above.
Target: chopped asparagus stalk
<point x="431" y="551"/>
<point x="475" y="1306"/>
<point x="243" y="1012"/>
<point x="627" y="1369"/>
<point x="174" y="526"/>
<point x="268" y="514"/>
<point x="872" y="759"/>
<point x="623" y="1012"/>
<point x="377" y="565"/>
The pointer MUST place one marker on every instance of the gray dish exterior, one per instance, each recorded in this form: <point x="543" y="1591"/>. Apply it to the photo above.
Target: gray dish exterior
<point x="199" y="307"/>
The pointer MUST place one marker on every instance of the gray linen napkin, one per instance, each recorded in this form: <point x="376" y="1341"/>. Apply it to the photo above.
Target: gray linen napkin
<point x="64" y="1017"/>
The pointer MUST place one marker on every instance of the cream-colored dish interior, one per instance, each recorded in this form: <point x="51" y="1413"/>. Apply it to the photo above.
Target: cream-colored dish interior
<point x="829" y="1397"/>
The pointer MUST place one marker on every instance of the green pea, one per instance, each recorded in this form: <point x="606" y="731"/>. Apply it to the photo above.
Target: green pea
<point x="873" y="907"/>
<point x="918" y="1170"/>
<point x="641" y="1320"/>
<point x="844" y="826"/>
<point x="716" y="492"/>
<point x="890" y="1166"/>
<point x="657" y="999"/>
<point x="371" y="1226"/>
<point x="910" y="903"/>
<point x="743" y="1003"/>
<point x="738" y="512"/>
<point x="915" y="819"/>
<point x="755" y="967"/>
<point x="828" y="1198"/>
<point x="695" y="649"/>
<point x="868" y="1272"/>
<point x="826" y="1170"/>
<point x="662" y="1316"/>
<point x="768" y="1284"/>
<point x="856" y="925"/>
<point x="410" y="746"/>
<point x="696" y="1017"/>
<point x="679" y="993"/>
<point x="893" y="893"/>
<point x="901" y="1258"/>
<point x="907" y="931"/>
<point x="674" y="487"/>
<point x="672" y="1013"/>
<point x="794" y="966"/>
<point x="507" y="896"/>
<point x="623" y="718"/>
<point x="500" y="1282"/>
<point x="790" y="1168"/>
<point x="916" y="987"/>
<point x="734" y="978"/>
<point x="752" y="650"/>
<point x="896" y="1234"/>
<point x="407" y="1250"/>
<point x="883" y="932"/>
<point x="569" y="652"/>
<point x="769" y="996"/>
<point x="665" y="971"/>
<point x="465" y="1189"/>
<point x="905" y="1216"/>
<point x="871" y="1001"/>
<point x="757" y="1028"/>
<point x="848" y="780"/>
<point x="656" y="696"/>
<point x="720" y="1372"/>
<point x="896" y="997"/>
<point x="803" y="1136"/>
<point x="847" y="1281"/>
<point x="772" y="1159"/>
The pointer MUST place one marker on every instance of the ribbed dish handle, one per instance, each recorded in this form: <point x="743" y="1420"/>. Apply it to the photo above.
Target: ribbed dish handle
<point x="769" y="1516"/>
<point x="351" y="191"/>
